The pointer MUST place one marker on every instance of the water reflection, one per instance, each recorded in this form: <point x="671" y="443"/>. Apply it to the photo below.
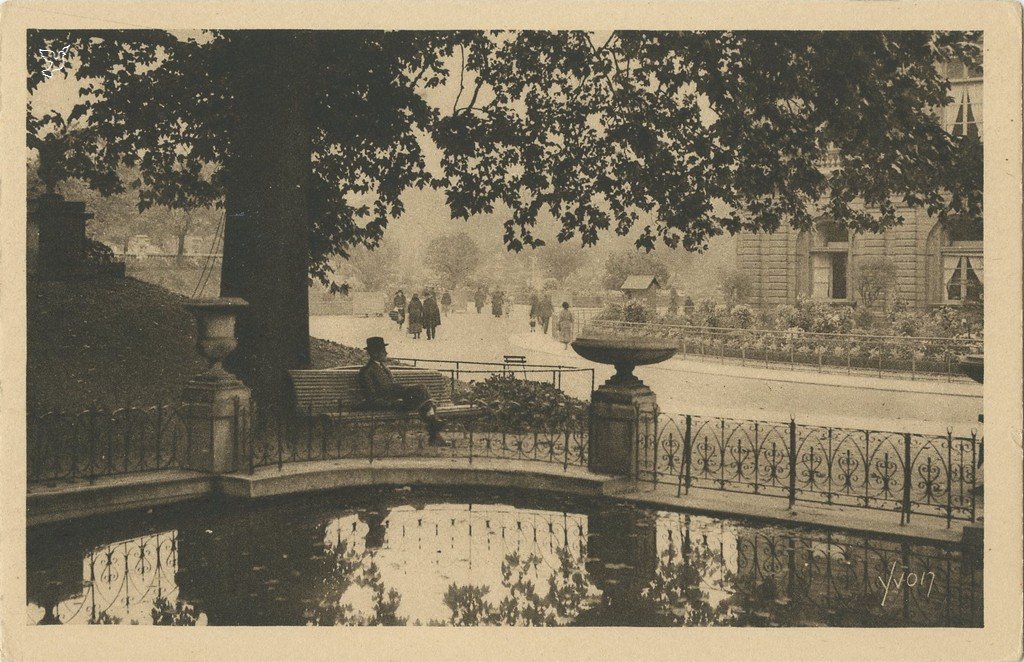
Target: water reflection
<point x="129" y="581"/>
<point x="484" y="564"/>
<point x="418" y="558"/>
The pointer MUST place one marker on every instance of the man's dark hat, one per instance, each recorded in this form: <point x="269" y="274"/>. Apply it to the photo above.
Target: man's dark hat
<point x="375" y="344"/>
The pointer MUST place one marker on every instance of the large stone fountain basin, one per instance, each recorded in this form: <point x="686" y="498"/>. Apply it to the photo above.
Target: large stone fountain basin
<point x="625" y="351"/>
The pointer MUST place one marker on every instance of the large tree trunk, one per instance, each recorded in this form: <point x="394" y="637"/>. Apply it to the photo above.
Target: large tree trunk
<point x="266" y="235"/>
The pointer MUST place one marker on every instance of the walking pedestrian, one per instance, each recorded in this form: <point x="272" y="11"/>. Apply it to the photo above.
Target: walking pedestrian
<point x="415" y="316"/>
<point x="563" y="328"/>
<point x="431" y="315"/>
<point x="398" y="307"/>
<point x="534" y="306"/>
<point x="446" y="303"/>
<point x="545" y="309"/>
<point x="497" y="301"/>
<point x="479" y="299"/>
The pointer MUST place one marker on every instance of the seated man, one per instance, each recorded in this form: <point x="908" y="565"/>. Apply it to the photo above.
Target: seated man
<point x="382" y="391"/>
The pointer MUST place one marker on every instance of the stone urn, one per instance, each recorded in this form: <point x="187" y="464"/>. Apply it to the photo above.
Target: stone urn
<point x="623" y="406"/>
<point x="625" y="354"/>
<point x="215" y="333"/>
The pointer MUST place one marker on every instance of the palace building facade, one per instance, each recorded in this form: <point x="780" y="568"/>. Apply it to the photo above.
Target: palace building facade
<point x="934" y="263"/>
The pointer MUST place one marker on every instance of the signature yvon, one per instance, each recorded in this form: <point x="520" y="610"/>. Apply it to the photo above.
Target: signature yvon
<point x="910" y="579"/>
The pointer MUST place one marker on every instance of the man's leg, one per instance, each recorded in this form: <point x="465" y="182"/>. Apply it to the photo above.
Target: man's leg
<point x="417" y="398"/>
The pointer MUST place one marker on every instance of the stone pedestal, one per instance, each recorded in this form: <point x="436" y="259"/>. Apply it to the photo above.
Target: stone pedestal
<point x="616" y="410"/>
<point x="209" y="414"/>
<point x="61" y="236"/>
<point x="212" y="398"/>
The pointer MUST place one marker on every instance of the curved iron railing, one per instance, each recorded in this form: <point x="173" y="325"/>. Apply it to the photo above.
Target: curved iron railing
<point x="913" y="474"/>
<point x="99" y="442"/>
<point x="499" y="430"/>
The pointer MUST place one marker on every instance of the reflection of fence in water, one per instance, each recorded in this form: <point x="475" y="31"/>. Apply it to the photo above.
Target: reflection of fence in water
<point x="901" y="472"/>
<point x="826" y="577"/>
<point x="121" y="582"/>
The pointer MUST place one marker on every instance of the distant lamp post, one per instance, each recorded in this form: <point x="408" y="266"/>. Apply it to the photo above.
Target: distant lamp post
<point x="215" y="333"/>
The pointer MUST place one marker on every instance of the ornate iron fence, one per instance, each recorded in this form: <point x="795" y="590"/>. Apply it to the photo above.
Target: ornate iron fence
<point x="502" y="431"/>
<point x="107" y="442"/>
<point x="908" y="473"/>
<point x="917" y="356"/>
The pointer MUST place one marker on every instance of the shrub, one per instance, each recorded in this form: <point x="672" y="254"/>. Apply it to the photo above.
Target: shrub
<point x="519" y="405"/>
<point x="737" y="286"/>
<point x="612" y="312"/>
<point x="637" y="311"/>
<point x="874" y="279"/>
<point x="96" y="252"/>
<point x="743" y="316"/>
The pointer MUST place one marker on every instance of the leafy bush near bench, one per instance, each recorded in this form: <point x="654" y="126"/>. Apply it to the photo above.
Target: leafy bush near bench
<point x="522" y="405"/>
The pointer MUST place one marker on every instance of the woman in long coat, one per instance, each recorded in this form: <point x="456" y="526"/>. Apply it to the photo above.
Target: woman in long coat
<point x="415" y="316"/>
<point x="497" y="300"/>
<point x="563" y="327"/>
<point x="399" y="306"/>
<point x="431" y="315"/>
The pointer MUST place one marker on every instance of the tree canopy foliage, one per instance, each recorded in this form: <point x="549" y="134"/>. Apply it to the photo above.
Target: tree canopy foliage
<point x="683" y="134"/>
<point x="309" y="138"/>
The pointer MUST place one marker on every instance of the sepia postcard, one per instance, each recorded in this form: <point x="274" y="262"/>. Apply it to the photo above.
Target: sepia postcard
<point x="639" y="330"/>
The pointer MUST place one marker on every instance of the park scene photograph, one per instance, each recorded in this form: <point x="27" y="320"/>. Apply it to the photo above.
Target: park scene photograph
<point x="505" y="327"/>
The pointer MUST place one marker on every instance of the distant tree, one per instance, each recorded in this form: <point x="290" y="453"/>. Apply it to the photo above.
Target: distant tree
<point x="376" y="269"/>
<point x="874" y="279"/>
<point x="561" y="261"/>
<point x="454" y="257"/>
<point x="117" y="217"/>
<point x="737" y="286"/>
<point x="631" y="262"/>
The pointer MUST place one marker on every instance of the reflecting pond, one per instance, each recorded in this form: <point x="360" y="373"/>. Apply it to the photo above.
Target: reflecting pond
<point x="425" y="557"/>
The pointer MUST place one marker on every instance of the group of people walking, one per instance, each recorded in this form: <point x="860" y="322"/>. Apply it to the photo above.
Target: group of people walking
<point x="423" y="315"/>
<point x="499" y="307"/>
<point x="541" y="312"/>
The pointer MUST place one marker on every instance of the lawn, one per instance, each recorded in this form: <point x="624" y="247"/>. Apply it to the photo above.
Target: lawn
<point x="113" y="341"/>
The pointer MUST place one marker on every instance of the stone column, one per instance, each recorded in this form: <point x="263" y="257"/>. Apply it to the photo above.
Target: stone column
<point x="61" y="236"/>
<point x="210" y="399"/>
<point x="618" y="408"/>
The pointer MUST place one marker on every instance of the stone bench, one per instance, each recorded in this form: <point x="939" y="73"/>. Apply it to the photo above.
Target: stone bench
<point x="337" y="393"/>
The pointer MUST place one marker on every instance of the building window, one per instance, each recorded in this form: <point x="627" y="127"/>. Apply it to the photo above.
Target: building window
<point x="830" y="261"/>
<point x="963" y="276"/>
<point x="959" y="266"/>
<point x="965" y="122"/>
<point x="829" y="275"/>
